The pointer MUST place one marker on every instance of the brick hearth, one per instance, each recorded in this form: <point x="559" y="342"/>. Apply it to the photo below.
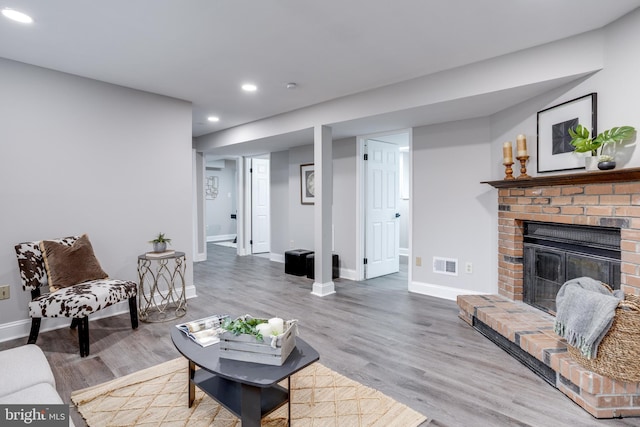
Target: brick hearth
<point x="531" y="331"/>
<point x="607" y="199"/>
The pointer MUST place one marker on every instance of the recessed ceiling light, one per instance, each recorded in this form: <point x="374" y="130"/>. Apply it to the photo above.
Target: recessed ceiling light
<point x="213" y="119"/>
<point x="17" y="16"/>
<point x="249" y="87"/>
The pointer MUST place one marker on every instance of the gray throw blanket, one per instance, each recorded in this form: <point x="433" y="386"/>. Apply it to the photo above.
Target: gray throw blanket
<point x="585" y="313"/>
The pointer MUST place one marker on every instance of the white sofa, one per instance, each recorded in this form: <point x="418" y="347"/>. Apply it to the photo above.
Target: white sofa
<point x="27" y="377"/>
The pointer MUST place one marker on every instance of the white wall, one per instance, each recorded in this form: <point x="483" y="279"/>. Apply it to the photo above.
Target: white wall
<point x="280" y="199"/>
<point x="344" y="204"/>
<point x="403" y="203"/>
<point x="453" y="213"/>
<point x="403" y="221"/>
<point x="81" y="156"/>
<point x="300" y="216"/>
<point x="617" y="86"/>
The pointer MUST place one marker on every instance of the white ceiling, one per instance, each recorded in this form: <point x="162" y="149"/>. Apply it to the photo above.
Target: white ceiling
<point x="202" y="50"/>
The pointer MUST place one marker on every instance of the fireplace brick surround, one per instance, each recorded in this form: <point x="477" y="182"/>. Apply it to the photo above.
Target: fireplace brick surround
<point x="607" y="199"/>
<point x="597" y="204"/>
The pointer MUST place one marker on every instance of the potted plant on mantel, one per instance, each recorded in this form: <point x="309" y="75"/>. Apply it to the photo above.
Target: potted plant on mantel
<point x="609" y="138"/>
<point x="160" y="243"/>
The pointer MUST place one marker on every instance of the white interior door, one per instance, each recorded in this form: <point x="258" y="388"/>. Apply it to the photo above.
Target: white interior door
<point x="260" y="221"/>
<point x="382" y="230"/>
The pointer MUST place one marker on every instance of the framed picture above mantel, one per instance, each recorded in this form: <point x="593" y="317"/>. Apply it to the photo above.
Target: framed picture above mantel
<point x="555" y="152"/>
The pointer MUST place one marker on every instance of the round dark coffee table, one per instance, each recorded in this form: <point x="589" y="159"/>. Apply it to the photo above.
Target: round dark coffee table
<point x="248" y="390"/>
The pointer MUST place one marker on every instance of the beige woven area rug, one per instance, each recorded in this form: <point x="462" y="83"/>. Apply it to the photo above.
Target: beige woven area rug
<point x="157" y="396"/>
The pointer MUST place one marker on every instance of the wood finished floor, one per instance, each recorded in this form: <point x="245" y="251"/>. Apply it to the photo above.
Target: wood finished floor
<point x="411" y="347"/>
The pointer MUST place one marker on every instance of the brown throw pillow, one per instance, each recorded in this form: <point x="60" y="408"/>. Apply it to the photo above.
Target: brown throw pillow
<point x="70" y="265"/>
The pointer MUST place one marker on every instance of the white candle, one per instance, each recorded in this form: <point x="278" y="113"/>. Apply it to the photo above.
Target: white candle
<point x="277" y="325"/>
<point x="507" y="152"/>
<point x="521" y="141"/>
<point x="264" y="329"/>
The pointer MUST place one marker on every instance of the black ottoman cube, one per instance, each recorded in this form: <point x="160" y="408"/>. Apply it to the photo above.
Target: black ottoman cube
<point x="335" y="270"/>
<point x="295" y="261"/>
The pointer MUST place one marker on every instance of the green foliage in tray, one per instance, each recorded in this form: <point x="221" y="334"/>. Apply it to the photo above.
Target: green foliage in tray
<point x="244" y="325"/>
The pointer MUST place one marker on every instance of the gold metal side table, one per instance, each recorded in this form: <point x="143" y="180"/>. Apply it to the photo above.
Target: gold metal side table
<point x="161" y="291"/>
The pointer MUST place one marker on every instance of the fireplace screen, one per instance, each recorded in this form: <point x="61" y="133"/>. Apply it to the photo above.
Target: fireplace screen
<point x="555" y="253"/>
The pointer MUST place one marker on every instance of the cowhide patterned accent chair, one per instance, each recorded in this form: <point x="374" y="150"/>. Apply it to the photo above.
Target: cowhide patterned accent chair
<point x="76" y="301"/>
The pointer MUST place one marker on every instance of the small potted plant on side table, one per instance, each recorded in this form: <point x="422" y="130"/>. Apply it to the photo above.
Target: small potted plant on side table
<point x="609" y="138"/>
<point x="160" y="243"/>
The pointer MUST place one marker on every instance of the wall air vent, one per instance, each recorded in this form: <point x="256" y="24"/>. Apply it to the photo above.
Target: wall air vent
<point x="445" y="266"/>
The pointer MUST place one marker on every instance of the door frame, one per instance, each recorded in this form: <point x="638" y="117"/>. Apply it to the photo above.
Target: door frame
<point x="200" y="206"/>
<point x="361" y="193"/>
<point x="246" y="215"/>
<point x="245" y="193"/>
<point x="254" y="198"/>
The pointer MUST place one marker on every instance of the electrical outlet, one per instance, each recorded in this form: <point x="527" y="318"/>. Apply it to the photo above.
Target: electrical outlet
<point x="418" y="261"/>
<point x="468" y="268"/>
<point x="291" y="244"/>
<point x="4" y="292"/>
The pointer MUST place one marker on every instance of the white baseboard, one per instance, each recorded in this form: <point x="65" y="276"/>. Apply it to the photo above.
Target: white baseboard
<point x="403" y="252"/>
<point x="276" y="257"/>
<point x="346" y="273"/>
<point x="323" y="289"/>
<point x="439" y="291"/>
<point x="221" y="237"/>
<point x="200" y="256"/>
<point x="21" y="328"/>
<point x="190" y="291"/>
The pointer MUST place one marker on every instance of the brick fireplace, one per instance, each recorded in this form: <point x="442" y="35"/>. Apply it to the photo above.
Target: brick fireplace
<point x="599" y="199"/>
<point x="584" y="201"/>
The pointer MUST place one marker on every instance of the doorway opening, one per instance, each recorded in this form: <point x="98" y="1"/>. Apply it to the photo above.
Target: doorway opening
<point x="384" y="204"/>
<point x="237" y="203"/>
<point x="221" y="200"/>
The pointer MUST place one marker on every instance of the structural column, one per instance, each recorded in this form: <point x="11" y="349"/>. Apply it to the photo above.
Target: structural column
<point x="323" y="199"/>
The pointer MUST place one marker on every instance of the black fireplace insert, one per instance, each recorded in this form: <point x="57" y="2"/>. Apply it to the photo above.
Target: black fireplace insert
<point x="555" y="253"/>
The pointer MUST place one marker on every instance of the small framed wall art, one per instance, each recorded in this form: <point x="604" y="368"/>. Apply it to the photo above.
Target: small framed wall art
<point x="307" y="184"/>
<point x="555" y="152"/>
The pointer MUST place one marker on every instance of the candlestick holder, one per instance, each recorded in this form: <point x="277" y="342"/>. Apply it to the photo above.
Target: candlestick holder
<point x="523" y="167"/>
<point x="508" y="171"/>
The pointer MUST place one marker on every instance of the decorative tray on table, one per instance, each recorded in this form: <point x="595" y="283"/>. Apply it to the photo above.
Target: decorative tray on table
<point x="266" y="341"/>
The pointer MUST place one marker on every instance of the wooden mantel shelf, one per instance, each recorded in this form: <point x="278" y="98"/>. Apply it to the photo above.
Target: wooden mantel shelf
<point x="616" y="175"/>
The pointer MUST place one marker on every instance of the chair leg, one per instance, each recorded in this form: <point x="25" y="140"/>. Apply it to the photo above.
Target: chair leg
<point x="83" y="335"/>
<point x="35" y="329"/>
<point x="133" y="312"/>
<point x="74" y="322"/>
